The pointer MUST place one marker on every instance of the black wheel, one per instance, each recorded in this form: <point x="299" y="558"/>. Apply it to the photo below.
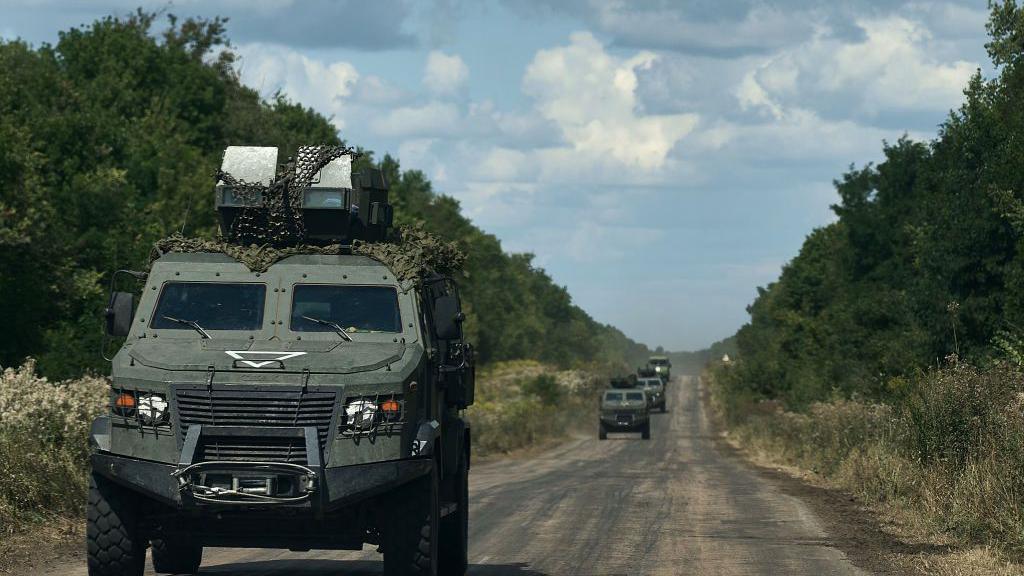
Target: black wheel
<point x="176" y="556"/>
<point x="453" y="547"/>
<point x="645" y="432"/>
<point x="602" y="432"/>
<point x="662" y="407"/>
<point x="410" y="533"/>
<point x="114" y="545"/>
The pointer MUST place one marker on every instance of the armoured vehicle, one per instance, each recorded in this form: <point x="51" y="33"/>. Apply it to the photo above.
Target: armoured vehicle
<point x="624" y="408"/>
<point x="655" y="390"/>
<point x="662" y="366"/>
<point x="309" y="400"/>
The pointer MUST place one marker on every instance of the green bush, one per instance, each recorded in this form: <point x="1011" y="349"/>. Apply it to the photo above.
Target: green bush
<point x="545" y="388"/>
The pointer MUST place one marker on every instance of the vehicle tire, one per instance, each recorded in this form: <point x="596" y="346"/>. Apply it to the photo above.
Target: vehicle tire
<point x="176" y="556"/>
<point x="453" y="546"/>
<point x="662" y="407"/>
<point x="602" y="432"/>
<point x="645" y="432"/>
<point x="114" y="545"/>
<point x="411" y="530"/>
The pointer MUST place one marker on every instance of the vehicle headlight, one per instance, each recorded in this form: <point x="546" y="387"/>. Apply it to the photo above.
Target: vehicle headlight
<point x="152" y="408"/>
<point x="657" y="368"/>
<point x="361" y="415"/>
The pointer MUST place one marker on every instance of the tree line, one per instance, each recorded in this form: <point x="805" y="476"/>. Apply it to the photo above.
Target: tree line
<point x="108" y="142"/>
<point x="925" y="260"/>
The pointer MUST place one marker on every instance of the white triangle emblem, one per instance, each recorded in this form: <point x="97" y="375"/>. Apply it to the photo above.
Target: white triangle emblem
<point x="260" y="359"/>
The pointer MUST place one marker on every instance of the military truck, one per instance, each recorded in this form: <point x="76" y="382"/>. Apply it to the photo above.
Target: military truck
<point x="624" y="408"/>
<point x="662" y="366"/>
<point x="313" y="402"/>
<point x="655" y="390"/>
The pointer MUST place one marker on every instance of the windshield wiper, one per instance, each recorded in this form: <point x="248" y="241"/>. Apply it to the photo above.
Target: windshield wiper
<point x="337" y="327"/>
<point x="192" y="324"/>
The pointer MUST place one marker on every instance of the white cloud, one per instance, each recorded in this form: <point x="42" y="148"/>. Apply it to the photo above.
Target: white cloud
<point x="445" y="74"/>
<point x="893" y="68"/>
<point x="591" y="96"/>
<point x="433" y="119"/>
<point x="322" y="85"/>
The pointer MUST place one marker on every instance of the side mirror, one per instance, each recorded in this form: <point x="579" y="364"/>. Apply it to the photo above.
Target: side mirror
<point x="448" y="318"/>
<point x="119" y="314"/>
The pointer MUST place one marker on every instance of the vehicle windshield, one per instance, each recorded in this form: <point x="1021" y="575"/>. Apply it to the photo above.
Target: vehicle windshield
<point x="634" y="396"/>
<point x="613" y="397"/>
<point x="353" y="308"/>
<point x="211" y="305"/>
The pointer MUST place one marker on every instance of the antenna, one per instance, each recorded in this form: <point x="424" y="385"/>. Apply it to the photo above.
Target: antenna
<point x="188" y="209"/>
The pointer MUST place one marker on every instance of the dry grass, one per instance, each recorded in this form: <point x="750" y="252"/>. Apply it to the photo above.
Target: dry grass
<point x="44" y="430"/>
<point x="943" y="461"/>
<point x="971" y="562"/>
<point x="523" y="404"/>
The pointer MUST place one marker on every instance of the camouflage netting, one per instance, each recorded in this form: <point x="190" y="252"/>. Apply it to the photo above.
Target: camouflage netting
<point x="412" y="255"/>
<point x="274" y="212"/>
<point x="257" y="258"/>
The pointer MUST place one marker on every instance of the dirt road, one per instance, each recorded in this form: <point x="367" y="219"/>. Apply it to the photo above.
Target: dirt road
<point x="673" y="505"/>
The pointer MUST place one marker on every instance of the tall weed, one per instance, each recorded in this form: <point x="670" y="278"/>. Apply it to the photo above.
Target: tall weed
<point x="44" y="429"/>
<point x="949" y="449"/>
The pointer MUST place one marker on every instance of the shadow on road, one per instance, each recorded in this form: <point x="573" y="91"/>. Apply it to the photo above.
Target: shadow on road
<point x="346" y="568"/>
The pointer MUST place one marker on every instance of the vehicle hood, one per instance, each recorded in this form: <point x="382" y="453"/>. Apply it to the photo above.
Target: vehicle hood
<point x="268" y="356"/>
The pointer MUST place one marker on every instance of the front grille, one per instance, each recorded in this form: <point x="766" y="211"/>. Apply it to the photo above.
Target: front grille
<point x="260" y="409"/>
<point x="292" y="450"/>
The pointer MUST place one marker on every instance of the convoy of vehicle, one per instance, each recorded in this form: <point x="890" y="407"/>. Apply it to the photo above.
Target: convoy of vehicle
<point x="311" y="404"/>
<point x="620" y="405"/>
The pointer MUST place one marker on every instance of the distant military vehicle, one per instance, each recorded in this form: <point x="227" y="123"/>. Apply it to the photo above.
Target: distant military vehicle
<point x="624" y="408"/>
<point x="662" y="366"/>
<point x="298" y="395"/>
<point x="655" y="389"/>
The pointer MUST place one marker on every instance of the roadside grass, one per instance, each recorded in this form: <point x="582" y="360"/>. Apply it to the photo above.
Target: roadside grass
<point x="943" y="460"/>
<point x="44" y="430"/>
<point x="523" y="404"/>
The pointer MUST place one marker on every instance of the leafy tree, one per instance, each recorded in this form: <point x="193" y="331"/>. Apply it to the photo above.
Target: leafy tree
<point x="926" y="258"/>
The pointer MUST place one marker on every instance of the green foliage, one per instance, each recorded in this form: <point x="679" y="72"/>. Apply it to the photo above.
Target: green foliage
<point x="926" y="258"/>
<point x="110" y="139"/>
<point x="545" y="388"/>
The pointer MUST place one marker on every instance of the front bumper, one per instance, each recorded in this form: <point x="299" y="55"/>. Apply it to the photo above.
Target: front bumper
<point x="199" y="485"/>
<point x="614" y="422"/>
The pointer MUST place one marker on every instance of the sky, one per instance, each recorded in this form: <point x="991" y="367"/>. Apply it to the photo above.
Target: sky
<point x="660" y="159"/>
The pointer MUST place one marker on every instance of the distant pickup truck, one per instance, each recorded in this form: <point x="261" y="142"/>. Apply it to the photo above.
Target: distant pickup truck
<point x="624" y="410"/>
